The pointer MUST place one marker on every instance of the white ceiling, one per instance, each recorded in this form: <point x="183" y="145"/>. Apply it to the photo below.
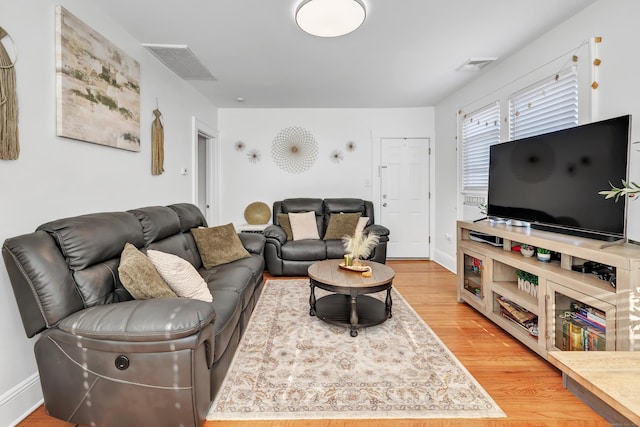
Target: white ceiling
<point x="404" y="55"/>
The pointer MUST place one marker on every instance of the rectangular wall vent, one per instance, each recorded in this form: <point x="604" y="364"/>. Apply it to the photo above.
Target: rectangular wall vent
<point x="476" y="64"/>
<point x="181" y="60"/>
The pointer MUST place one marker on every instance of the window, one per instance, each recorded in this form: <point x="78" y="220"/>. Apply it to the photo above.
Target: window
<point x="480" y="130"/>
<point x="549" y="105"/>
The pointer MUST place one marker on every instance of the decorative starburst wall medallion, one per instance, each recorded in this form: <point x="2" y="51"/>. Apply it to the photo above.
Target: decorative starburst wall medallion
<point x="336" y="156"/>
<point x="254" y="156"/>
<point x="294" y="149"/>
<point x="351" y="146"/>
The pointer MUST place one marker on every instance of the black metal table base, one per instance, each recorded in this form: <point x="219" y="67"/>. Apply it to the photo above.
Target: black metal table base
<point x="353" y="312"/>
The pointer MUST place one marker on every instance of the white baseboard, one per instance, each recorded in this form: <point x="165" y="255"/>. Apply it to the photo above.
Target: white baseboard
<point x="445" y="260"/>
<point x="17" y="403"/>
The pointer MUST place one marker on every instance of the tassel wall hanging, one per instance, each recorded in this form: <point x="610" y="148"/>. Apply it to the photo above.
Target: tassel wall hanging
<point x="157" y="144"/>
<point x="9" y="144"/>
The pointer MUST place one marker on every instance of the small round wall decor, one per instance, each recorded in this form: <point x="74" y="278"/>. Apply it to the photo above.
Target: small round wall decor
<point x="294" y="149"/>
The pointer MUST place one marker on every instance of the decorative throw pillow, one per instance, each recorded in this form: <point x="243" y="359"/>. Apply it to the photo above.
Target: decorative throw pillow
<point x="283" y="219"/>
<point x="180" y="275"/>
<point x="139" y="276"/>
<point x="219" y="245"/>
<point x="303" y="225"/>
<point x="362" y="223"/>
<point x="340" y="225"/>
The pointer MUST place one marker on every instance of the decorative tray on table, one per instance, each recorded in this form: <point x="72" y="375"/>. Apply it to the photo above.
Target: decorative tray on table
<point x="358" y="268"/>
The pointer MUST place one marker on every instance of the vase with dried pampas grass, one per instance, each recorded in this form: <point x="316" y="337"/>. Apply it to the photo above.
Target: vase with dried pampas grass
<point x="360" y="245"/>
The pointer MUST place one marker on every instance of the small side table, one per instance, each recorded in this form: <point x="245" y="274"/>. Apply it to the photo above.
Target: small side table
<point x="252" y="228"/>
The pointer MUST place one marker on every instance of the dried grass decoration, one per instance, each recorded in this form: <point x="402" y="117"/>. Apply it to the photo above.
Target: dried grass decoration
<point x="360" y="245"/>
<point x="9" y="144"/>
<point x="157" y="144"/>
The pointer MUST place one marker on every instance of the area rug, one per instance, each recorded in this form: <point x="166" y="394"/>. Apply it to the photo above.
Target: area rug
<point x="294" y="366"/>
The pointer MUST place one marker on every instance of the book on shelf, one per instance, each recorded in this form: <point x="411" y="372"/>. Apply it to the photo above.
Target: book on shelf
<point x="578" y="335"/>
<point x="589" y="312"/>
<point x="600" y="323"/>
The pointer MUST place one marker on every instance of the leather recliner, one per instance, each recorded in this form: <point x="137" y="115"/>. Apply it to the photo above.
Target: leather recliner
<point x="293" y="258"/>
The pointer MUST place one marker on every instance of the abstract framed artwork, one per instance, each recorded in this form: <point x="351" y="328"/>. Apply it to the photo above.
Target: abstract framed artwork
<point x="98" y="87"/>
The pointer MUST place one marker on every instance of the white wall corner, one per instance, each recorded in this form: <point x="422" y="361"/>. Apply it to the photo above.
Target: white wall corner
<point x="445" y="260"/>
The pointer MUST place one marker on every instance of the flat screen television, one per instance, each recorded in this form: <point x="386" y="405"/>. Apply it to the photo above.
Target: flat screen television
<point x="551" y="181"/>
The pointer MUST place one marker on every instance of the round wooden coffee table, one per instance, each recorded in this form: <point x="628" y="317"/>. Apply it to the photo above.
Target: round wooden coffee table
<point x="348" y="305"/>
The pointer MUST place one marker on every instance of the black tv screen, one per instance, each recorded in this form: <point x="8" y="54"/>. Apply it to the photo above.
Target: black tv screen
<point x="552" y="180"/>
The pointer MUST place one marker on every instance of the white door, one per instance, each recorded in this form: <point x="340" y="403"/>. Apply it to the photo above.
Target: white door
<point x="404" y="196"/>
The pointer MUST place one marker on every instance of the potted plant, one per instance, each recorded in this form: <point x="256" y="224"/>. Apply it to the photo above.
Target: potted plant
<point x="526" y="250"/>
<point x="543" y="255"/>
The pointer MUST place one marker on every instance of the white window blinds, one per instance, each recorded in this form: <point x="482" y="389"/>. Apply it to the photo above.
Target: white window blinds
<point x="480" y="130"/>
<point x="547" y="106"/>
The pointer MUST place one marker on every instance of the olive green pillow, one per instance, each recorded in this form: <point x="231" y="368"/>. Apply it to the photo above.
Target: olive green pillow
<point x="140" y="277"/>
<point x="219" y="245"/>
<point x="340" y="225"/>
<point x="283" y="219"/>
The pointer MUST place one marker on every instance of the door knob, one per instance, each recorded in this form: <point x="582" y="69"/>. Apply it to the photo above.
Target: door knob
<point x="384" y="205"/>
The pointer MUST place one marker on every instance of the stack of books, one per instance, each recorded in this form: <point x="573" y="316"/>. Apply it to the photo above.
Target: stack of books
<point x="583" y="328"/>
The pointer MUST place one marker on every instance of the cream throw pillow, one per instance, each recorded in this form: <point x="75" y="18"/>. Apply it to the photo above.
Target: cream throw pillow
<point x="362" y="223"/>
<point x="180" y="275"/>
<point x="303" y="225"/>
<point x="140" y="277"/>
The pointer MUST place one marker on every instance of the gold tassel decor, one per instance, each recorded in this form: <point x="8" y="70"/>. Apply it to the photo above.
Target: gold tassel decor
<point x="9" y="144"/>
<point x="157" y="144"/>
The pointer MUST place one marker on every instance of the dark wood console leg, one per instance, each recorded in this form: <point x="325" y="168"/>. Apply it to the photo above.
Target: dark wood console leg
<point x="388" y="304"/>
<point x="312" y="299"/>
<point x="353" y="317"/>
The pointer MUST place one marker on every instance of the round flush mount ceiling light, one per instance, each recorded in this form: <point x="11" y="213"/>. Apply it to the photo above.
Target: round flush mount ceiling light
<point x="330" y="18"/>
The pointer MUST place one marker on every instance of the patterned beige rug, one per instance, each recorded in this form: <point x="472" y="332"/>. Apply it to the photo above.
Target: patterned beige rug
<point x="294" y="366"/>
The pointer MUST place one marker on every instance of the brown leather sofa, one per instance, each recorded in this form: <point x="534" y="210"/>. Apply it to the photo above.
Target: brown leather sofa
<point x="108" y="360"/>
<point x="293" y="258"/>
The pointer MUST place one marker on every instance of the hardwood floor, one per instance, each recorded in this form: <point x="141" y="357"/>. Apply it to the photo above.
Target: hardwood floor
<point x="527" y="388"/>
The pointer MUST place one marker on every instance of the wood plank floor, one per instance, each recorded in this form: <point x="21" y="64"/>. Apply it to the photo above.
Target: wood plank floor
<point x="527" y="388"/>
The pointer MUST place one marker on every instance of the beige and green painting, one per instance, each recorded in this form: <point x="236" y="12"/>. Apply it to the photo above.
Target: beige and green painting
<point x="98" y="87"/>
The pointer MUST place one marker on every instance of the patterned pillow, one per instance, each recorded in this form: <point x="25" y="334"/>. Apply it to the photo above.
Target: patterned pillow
<point x="139" y="276"/>
<point x="180" y="275"/>
<point x="303" y="225"/>
<point x="219" y="245"/>
<point x="343" y="224"/>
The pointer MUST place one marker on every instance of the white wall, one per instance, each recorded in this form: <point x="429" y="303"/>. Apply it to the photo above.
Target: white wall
<point x="57" y="177"/>
<point x="355" y="176"/>
<point x="617" y="94"/>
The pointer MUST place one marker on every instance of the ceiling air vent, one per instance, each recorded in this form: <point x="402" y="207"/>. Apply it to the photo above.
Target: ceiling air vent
<point x="476" y="64"/>
<point x="181" y="60"/>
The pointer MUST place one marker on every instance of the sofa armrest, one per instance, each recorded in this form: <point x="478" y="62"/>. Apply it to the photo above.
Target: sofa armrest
<point x="380" y="230"/>
<point x="160" y="319"/>
<point x="252" y="242"/>
<point x="275" y="232"/>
